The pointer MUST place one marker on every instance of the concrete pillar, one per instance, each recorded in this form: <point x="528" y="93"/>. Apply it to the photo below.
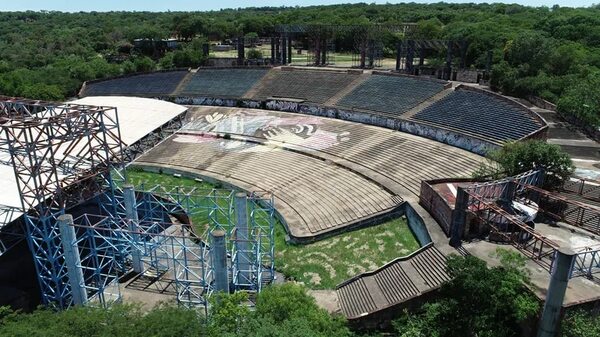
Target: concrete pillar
<point x="242" y="241"/>
<point x="561" y="270"/>
<point x="218" y="254"/>
<point x="72" y="259"/>
<point x="459" y="217"/>
<point x="132" y="215"/>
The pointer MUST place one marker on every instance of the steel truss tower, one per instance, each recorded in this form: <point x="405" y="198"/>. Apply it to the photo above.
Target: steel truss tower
<point x="62" y="155"/>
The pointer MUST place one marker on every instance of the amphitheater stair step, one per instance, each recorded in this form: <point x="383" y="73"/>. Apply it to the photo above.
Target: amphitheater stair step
<point x="345" y="91"/>
<point x="427" y="103"/>
<point x="183" y="83"/>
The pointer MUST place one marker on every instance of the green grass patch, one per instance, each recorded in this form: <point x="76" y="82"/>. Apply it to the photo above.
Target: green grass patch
<point x="320" y="265"/>
<point x="326" y="263"/>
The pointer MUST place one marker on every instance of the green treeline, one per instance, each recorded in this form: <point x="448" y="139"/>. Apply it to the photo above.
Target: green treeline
<point x="553" y="52"/>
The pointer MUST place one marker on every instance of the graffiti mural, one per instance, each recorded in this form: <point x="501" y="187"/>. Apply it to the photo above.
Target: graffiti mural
<point x="298" y="130"/>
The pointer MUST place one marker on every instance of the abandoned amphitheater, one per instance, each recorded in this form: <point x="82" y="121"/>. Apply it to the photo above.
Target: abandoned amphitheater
<point x="321" y="151"/>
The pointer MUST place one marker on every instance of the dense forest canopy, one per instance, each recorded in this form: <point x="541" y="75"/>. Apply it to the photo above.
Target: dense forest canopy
<point x="549" y="52"/>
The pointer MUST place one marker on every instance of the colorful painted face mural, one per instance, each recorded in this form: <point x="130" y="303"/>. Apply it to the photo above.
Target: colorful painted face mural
<point x="304" y="131"/>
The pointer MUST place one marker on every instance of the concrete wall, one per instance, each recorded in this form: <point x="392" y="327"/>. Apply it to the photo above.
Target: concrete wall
<point x="417" y="225"/>
<point x="467" y="75"/>
<point x="470" y="143"/>
<point x="437" y="206"/>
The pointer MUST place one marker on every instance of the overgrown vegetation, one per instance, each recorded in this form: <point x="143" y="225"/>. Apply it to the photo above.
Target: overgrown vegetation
<point x="580" y="323"/>
<point x="324" y="264"/>
<point x="283" y="310"/>
<point x="320" y="265"/>
<point x="550" y="52"/>
<point x="478" y="301"/>
<point x="518" y="157"/>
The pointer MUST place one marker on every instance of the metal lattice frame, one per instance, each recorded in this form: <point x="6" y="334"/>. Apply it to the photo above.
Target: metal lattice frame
<point x="172" y="249"/>
<point x="217" y="206"/>
<point x="61" y="154"/>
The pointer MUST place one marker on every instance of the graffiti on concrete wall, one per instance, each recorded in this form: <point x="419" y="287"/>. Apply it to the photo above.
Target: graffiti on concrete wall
<point x="205" y="101"/>
<point x="274" y="129"/>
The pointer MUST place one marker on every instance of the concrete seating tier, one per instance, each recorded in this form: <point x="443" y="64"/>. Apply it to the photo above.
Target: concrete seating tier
<point x="307" y="85"/>
<point x="403" y="158"/>
<point x="222" y="82"/>
<point x="480" y="114"/>
<point x="314" y="197"/>
<point x="158" y="83"/>
<point x="391" y="285"/>
<point x="390" y="94"/>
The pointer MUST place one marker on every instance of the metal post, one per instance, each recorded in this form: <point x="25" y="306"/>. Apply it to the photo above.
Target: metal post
<point x="371" y="52"/>
<point x="272" y="50"/>
<point x="283" y="50"/>
<point x="219" y="260"/>
<point x="277" y="50"/>
<point x="132" y="216"/>
<point x="398" y="55"/>
<point x="241" y="51"/>
<point x="72" y="259"/>
<point x="459" y="217"/>
<point x="561" y="270"/>
<point x="448" y="70"/>
<point x="509" y="192"/>
<point x="324" y="52"/>
<point x="242" y="241"/>
<point x="410" y="54"/>
<point x="289" y="50"/>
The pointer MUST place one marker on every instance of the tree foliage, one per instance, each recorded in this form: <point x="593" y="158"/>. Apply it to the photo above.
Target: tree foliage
<point x="478" y="301"/>
<point x="518" y="157"/>
<point x="548" y="52"/>
<point x="284" y="310"/>
<point x="580" y="323"/>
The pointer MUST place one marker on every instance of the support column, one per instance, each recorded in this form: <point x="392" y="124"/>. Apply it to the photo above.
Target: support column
<point x="561" y="271"/>
<point x="272" y="50"/>
<point x="242" y="241"/>
<point x="218" y="254"/>
<point x="398" y="55"/>
<point x="371" y="52"/>
<point x="277" y="50"/>
<point x="72" y="259"/>
<point x="241" y="51"/>
<point x="324" y="52"/>
<point x="283" y="50"/>
<point x="459" y="217"/>
<point x="448" y="69"/>
<point x="131" y="214"/>
<point x="510" y="191"/>
<point x="410" y="54"/>
<point x="289" y="50"/>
